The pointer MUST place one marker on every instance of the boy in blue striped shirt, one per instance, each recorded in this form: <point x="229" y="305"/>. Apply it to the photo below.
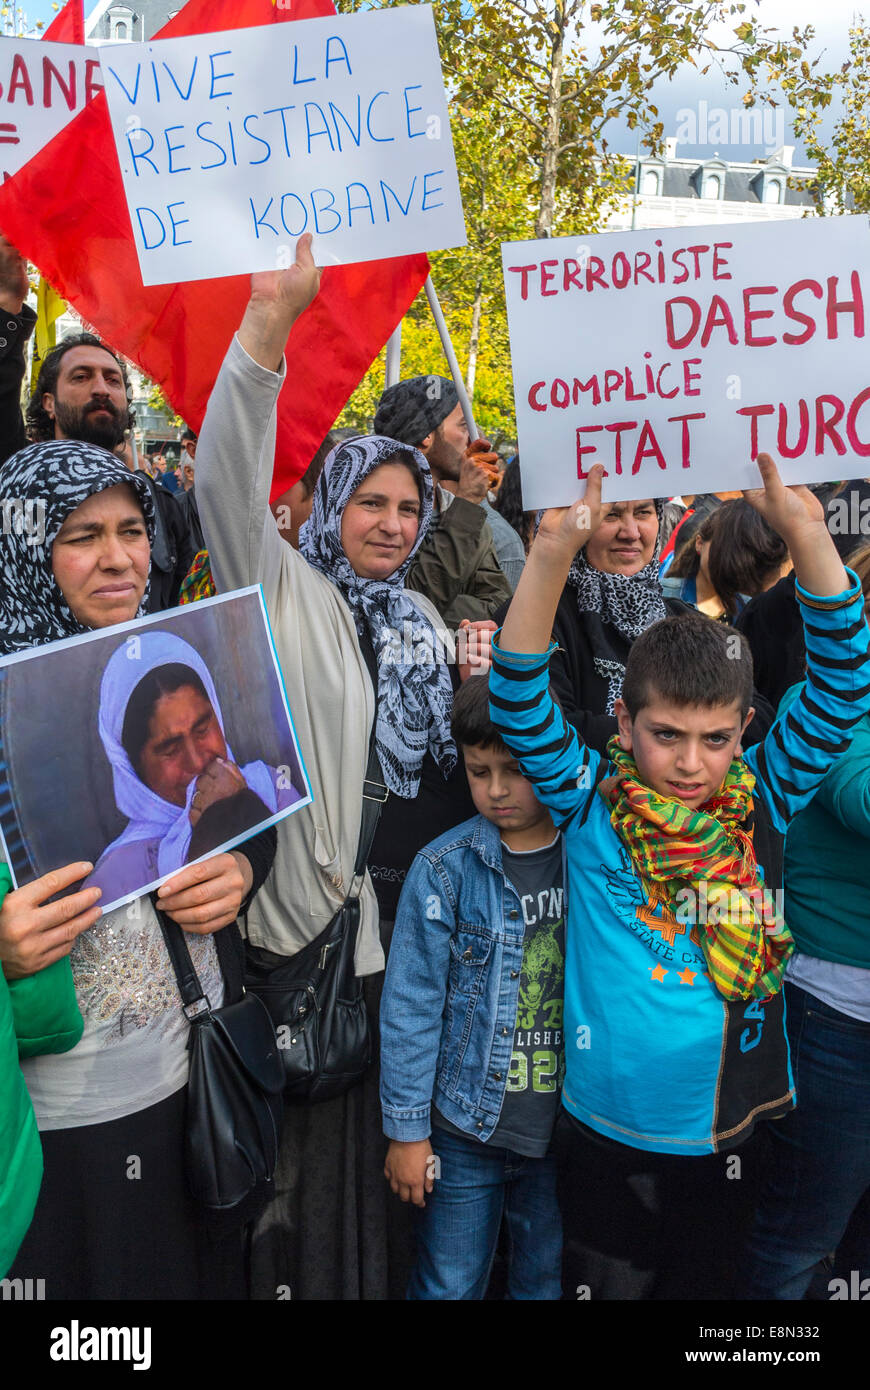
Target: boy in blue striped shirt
<point x="675" y="1045"/>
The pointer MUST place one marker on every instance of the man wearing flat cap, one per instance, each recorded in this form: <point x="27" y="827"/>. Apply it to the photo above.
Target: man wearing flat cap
<point x="456" y="566"/>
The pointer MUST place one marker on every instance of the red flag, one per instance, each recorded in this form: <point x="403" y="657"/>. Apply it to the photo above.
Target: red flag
<point x="69" y="25"/>
<point x="81" y="240"/>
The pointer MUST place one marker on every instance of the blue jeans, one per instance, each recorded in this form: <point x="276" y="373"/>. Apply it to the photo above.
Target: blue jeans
<point x="817" y="1195"/>
<point x="457" y="1231"/>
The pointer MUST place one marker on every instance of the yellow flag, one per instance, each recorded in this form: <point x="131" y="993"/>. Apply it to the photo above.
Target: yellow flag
<point x="49" y="307"/>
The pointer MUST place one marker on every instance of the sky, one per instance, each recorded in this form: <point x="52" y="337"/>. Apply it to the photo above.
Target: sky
<point x="681" y="101"/>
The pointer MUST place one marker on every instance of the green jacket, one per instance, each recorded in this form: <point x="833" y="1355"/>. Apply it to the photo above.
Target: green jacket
<point x="37" y="1014"/>
<point x="827" y="906"/>
<point x="456" y="566"/>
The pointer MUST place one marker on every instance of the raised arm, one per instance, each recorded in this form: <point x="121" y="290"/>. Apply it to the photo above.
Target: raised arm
<point x="562" y="532"/>
<point x="816" y="730"/>
<point x="236" y="449"/>
<point x="563" y="771"/>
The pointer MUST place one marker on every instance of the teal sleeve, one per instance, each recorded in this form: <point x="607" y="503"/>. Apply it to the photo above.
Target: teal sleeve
<point x="845" y="791"/>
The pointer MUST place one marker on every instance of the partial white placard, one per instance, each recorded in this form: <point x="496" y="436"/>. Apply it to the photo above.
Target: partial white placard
<point x="232" y="145"/>
<point x="42" y="86"/>
<point x="674" y="357"/>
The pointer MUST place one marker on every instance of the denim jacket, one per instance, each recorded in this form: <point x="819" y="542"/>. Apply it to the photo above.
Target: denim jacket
<point x="449" y="1005"/>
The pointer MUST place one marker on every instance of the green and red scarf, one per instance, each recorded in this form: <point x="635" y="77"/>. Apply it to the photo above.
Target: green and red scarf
<point x="745" y="944"/>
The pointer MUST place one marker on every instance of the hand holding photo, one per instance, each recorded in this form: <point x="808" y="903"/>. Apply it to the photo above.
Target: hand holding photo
<point x="189" y="746"/>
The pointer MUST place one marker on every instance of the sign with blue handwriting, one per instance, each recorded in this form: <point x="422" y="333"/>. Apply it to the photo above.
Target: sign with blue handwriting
<point x="232" y="145"/>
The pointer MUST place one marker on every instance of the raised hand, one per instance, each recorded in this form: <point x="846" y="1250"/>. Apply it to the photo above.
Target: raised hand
<point x="783" y="508"/>
<point x="278" y="297"/>
<point x="562" y="532"/>
<point x="569" y="528"/>
<point x="293" y="289"/>
<point x="478" y="470"/>
<point x="14" y="284"/>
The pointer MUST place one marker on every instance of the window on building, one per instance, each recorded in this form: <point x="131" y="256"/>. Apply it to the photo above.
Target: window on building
<point x="773" y="191"/>
<point x="712" y="186"/>
<point x="650" y="181"/>
<point x="120" y="29"/>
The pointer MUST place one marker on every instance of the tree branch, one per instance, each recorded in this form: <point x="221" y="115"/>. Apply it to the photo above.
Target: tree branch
<point x="503" y="101"/>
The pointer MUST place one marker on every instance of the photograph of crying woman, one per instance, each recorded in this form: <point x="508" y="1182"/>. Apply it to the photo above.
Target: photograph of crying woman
<point x="187" y="746"/>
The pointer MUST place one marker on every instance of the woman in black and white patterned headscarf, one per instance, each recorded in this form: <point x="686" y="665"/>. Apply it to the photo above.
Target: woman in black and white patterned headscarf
<point x="613" y="594"/>
<point x="40" y="488"/>
<point x="75" y="552"/>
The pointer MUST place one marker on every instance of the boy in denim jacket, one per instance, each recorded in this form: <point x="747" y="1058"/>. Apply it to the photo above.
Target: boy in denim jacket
<point x="471" y="1032"/>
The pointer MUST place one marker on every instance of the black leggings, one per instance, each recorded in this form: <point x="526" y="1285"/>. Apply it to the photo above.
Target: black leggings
<point x="642" y="1225"/>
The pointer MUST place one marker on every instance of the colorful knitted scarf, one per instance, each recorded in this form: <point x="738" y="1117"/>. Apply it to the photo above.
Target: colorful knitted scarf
<point x="745" y="944"/>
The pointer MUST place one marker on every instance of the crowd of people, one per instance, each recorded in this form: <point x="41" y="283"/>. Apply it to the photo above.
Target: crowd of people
<point x="613" y="930"/>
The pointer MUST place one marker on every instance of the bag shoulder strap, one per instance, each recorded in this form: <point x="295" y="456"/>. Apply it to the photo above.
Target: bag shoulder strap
<point x="375" y="791"/>
<point x="228" y="945"/>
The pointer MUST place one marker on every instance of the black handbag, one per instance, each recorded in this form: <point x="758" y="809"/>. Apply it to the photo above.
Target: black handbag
<point x="234" y="1108"/>
<point x="315" y="998"/>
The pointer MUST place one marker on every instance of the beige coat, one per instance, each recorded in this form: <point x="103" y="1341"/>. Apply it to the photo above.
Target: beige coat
<point x="328" y="685"/>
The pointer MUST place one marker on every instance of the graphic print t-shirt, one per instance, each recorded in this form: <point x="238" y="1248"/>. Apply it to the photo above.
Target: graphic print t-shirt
<point x="531" y="1099"/>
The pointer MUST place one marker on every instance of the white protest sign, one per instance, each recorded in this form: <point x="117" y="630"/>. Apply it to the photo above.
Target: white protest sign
<point x="42" y="86"/>
<point x="673" y="357"/>
<point x="232" y="145"/>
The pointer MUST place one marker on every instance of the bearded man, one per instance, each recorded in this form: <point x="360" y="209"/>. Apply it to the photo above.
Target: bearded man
<point x="81" y="393"/>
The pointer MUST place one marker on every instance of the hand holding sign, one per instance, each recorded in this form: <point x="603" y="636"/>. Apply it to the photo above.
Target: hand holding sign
<point x="204" y="897"/>
<point x="783" y="508"/>
<point x="565" y="530"/>
<point x="278" y="298"/>
<point x="798" y="516"/>
<point x="292" y="289"/>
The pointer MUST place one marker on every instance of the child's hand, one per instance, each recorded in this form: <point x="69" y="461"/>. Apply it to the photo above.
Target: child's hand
<point x="409" y="1170"/>
<point x="569" y="528"/>
<point x="799" y="518"/>
<point x="786" y="509"/>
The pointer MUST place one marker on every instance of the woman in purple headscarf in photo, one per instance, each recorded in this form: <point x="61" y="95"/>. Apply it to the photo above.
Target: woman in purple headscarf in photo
<point x="174" y="775"/>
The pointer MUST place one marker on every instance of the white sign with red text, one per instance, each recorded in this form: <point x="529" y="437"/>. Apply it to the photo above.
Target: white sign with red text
<point x="674" y="357"/>
<point x="42" y="86"/>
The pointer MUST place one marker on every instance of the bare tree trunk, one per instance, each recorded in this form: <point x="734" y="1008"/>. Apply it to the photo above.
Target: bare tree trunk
<point x="547" y="206"/>
<point x="474" y="340"/>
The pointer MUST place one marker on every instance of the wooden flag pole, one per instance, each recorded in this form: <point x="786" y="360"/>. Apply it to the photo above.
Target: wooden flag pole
<point x="447" y="345"/>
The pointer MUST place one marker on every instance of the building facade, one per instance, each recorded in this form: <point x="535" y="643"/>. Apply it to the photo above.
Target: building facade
<point x="675" y="191"/>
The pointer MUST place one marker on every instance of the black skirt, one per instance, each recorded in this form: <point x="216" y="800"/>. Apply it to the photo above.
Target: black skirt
<point x="115" y="1220"/>
<point x="335" y="1231"/>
